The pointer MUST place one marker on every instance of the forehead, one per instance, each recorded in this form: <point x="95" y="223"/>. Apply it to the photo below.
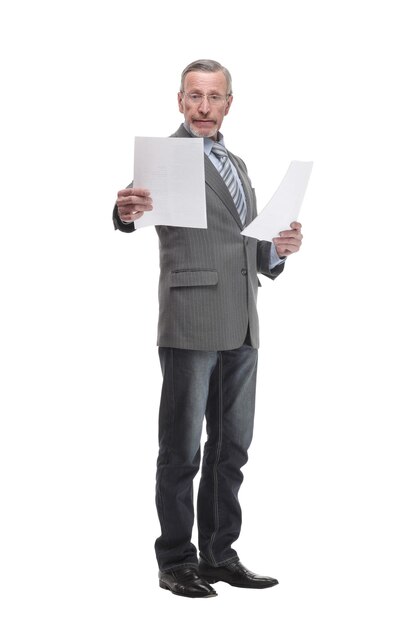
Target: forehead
<point x="205" y="81"/>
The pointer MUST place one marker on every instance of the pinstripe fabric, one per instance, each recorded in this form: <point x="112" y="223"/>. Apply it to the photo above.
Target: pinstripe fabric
<point x="208" y="279"/>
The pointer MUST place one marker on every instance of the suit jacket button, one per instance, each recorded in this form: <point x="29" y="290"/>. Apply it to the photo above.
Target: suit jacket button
<point x="243" y="272"/>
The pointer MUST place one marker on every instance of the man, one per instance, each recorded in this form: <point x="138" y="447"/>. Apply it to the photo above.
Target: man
<point x="208" y="339"/>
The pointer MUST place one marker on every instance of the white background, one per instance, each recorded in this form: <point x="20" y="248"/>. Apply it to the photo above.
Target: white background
<point x="329" y="492"/>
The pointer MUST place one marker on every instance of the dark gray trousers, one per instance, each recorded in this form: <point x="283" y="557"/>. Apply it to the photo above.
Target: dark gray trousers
<point x="220" y="386"/>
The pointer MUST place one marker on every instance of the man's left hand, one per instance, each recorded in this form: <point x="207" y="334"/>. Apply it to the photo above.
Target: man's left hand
<point x="289" y="241"/>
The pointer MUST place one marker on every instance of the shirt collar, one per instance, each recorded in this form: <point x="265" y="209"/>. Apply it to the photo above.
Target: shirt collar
<point x="209" y="143"/>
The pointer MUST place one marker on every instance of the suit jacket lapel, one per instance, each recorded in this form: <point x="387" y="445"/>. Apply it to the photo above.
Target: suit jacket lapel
<point x="217" y="184"/>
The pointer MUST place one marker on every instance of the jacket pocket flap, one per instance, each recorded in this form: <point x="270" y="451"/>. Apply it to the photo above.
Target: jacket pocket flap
<point x="193" y="278"/>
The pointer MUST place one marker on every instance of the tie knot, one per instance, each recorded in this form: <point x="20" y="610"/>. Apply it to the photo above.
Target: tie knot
<point x="219" y="150"/>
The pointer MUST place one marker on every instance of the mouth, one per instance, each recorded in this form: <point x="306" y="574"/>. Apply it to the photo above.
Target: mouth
<point x="204" y="122"/>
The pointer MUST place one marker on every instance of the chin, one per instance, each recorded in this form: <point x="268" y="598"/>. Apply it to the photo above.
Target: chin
<point x="201" y="133"/>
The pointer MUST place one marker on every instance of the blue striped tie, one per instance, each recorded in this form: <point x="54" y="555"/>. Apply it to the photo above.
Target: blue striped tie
<point x="230" y="179"/>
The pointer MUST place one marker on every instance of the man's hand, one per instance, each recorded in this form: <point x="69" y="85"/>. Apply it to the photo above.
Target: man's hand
<point x="289" y="241"/>
<point x="131" y="203"/>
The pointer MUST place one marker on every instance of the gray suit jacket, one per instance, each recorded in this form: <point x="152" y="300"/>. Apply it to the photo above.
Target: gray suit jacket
<point x="208" y="281"/>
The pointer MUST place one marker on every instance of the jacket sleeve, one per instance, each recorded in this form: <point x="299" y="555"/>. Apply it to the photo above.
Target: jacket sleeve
<point x="263" y="255"/>
<point x="117" y="222"/>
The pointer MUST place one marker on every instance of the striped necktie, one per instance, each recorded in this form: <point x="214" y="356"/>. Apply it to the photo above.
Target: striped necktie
<point x="230" y="179"/>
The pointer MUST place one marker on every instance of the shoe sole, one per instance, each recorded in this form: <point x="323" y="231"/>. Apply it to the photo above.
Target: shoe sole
<point x="211" y="580"/>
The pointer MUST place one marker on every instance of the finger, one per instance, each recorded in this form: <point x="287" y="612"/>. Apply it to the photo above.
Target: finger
<point x="132" y="209"/>
<point x="140" y="191"/>
<point x="131" y="216"/>
<point x="142" y="201"/>
<point x="287" y="243"/>
<point x="291" y="233"/>
<point x="133" y="191"/>
<point x="287" y="250"/>
<point x="295" y="225"/>
<point x="290" y="238"/>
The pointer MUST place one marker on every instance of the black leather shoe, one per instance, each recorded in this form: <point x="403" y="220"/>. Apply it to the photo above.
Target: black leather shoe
<point x="236" y="574"/>
<point x="185" y="581"/>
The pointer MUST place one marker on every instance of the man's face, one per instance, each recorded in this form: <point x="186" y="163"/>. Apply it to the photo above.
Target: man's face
<point x="204" y="118"/>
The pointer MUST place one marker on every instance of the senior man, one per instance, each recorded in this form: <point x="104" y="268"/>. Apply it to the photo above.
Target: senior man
<point x="208" y="340"/>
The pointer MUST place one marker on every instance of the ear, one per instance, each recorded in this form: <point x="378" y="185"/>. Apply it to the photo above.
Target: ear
<point x="228" y="105"/>
<point x="180" y="101"/>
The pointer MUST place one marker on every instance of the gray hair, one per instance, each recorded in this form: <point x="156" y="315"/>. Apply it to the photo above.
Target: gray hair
<point x="207" y="65"/>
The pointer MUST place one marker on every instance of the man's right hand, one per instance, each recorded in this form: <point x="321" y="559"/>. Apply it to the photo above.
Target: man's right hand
<point x="131" y="203"/>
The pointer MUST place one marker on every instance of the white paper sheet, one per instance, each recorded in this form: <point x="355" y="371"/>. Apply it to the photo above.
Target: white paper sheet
<point x="172" y="168"/>
<point x="284" y="206"/>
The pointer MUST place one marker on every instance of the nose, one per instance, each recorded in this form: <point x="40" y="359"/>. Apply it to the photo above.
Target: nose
<point x="204" y="106"/>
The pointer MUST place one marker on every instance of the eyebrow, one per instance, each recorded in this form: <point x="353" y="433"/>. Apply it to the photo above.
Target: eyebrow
<point x="214" y="92"/>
